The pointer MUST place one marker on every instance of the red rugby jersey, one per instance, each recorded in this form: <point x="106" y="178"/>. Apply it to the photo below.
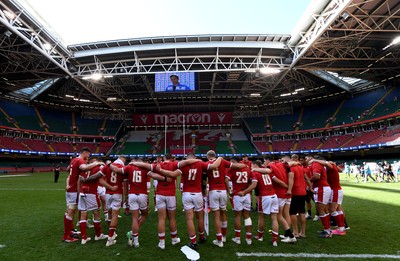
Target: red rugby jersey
<point x="192" y="176"/>
<point x="317" y="168"/>
<point x="264" y="183"/>
<point x="113" y="178"/>
<point x="216" y="178"/>
<point x="137" y="179"/>
<point x="333" y="177"/>
<point x="280" y="173"/>
<point x="74" y="173"/>
<point x="299" y="183"/>
<point x="166" y="188"/>
<point x="240" y="179"/>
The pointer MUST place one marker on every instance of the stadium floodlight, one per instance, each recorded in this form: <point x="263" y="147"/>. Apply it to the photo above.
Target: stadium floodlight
<point x="267" y="70"/>
<point x="255" y="94"/>
<point x="396" y="40"/>
<point x="299" y="90"/>
<point x="95" y="76"/>
<point x="9" y="14"/>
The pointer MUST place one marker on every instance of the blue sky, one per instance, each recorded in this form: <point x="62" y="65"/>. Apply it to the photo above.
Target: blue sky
<point x="81" y="21"/>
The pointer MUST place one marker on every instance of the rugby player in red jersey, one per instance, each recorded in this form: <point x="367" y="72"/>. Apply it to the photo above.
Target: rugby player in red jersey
<point x="76" y="167"/>
<point x="137" y="197"/>
<point x="281" y="183"/>
<point x="114" y="198"/>
<point x="322" y="194"/>
<point x="298" y="192"/>
<point x="310" y="195"/>
<point x="192" y="199"/>
<point x="268" y="204"/>
<point x="240" y="179"/>
<point x="165" y="198"/>
<point x="89" y="200"/>
<point x="336" y="199"/>
<point x="217" y="193"/>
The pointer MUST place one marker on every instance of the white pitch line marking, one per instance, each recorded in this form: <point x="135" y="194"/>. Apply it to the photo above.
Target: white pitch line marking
<point x="12" y="176"/>
<point x="311" y="255"/>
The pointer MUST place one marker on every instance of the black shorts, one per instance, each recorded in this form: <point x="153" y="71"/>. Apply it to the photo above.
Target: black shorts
<point x="256" y="192"/>
<point x="298" y="205"/>
<point x="309" y="196"/>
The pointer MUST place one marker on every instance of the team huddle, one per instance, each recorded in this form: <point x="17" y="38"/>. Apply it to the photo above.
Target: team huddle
<point x="282" y="188"/>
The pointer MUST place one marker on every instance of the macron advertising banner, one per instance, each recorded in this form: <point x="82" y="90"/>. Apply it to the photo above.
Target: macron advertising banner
<point x="200" y="118"/>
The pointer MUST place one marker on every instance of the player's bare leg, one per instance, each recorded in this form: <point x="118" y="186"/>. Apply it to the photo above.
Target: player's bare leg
<point x="200" y="225"/>
<point x="97" y="225"/>
<point x="286" y="214"/>
<point x="162" y="215"/>
<point x="82" y="225"/>
<point x="172" y="227"/>
<point x="217" y="224"/>
<point x="260" y="231"/>
<point x="323" y="213"/>
<point x="238" y="226"/>
<point x="224" y="224"/>
<point x="303" y="225"/>
<point x="113" y="224"/>
<point x="143" y="216"/>
<point x="189" y="215"/>
<point x="294" y="225"/>
<point x="275" y="228"/>
<point x="134" y="238"/>
<point x="68" y="223"/>
<point x="248" y="226"/>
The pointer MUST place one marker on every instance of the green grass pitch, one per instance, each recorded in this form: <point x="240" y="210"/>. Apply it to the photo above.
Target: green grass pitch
<point x="31" y="226"/>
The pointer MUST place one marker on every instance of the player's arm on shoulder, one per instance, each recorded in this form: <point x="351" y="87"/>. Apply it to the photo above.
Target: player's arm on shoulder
<point x="293" y="163"/>
<point x="315" y="176"/>
<point x="170" y="174"/>
<point x="116" y="169"/>
<point x="262" y="170"/>
<point x="86" y="167"/>
<point x="142" y="165"/>
<point x="158" y="177"/>
<point x="324" y="163"/>
<point x="215" y="164"/>
<point x="237" y="165"/>
<point x="187" y="162"/>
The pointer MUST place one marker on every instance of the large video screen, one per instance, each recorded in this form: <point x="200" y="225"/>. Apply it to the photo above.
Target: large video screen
<point x="175" y="82"/>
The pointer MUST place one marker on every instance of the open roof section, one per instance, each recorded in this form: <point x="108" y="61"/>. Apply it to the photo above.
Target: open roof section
<point x="95" y="21"/>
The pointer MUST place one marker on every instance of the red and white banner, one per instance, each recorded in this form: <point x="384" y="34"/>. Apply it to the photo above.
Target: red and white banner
<point x="201" y="118"/>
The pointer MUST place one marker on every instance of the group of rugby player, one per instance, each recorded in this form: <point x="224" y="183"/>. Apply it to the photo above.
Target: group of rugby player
<point x="281" y="187"/>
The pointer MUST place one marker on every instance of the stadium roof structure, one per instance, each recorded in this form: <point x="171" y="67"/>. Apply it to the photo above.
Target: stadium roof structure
<point x="339" y="47"/>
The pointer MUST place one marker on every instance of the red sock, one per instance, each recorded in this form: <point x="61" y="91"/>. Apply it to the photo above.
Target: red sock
<point x="337" y="220"/>
<point x="193" y="239"/>
<point x="223" y="231"/>
<point x="111" y="231"/>
<point x="67" y="227"/>
<point x="274" y="236"/>
<point x="161" y="236"/>
<point x="219" y="237"/>
<point x="82" y="226"/>
<point x="248" y="235"/>
<point x="341" y="220"/>
<point x="260" y="234"/>
<point x="326" y="222"/>
<point x="97" y="227"/>
<point x="201" y="235"/>
<point x="237" y="233"/>
<point x="174" y="234"/>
